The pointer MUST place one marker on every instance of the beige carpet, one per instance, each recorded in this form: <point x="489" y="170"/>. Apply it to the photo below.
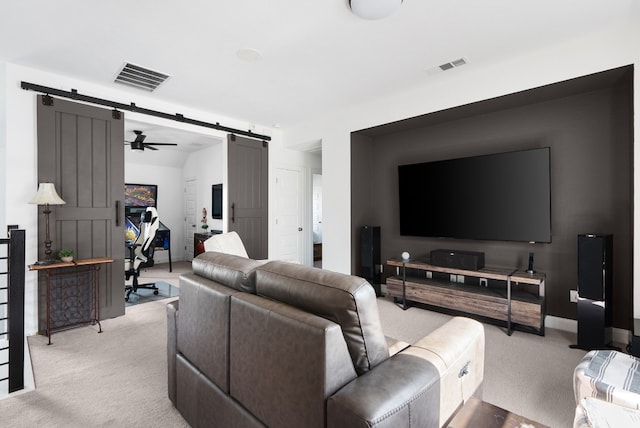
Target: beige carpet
<point x="118" y="378"/>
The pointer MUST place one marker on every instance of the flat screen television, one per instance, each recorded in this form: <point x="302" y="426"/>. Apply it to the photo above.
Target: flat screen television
<point x="498" y="197"/>
<point x="140" y="195"/>
<point x="216" y="201"/>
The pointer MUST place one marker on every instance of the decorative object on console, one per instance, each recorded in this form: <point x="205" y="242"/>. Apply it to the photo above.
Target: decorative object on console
<point x="66" y="255"/>
<point x="471" y="260"/>
<point x="46" y="196"/>
<point x="530" y="267"/>
<point x="205" y="226"/>
<point x="405" y="255"/>
<point x="374" y="9"/>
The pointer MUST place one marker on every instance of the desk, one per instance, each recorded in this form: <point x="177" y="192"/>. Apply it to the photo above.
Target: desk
<point x="57" y="269"/>
<point x="163" y="241"/>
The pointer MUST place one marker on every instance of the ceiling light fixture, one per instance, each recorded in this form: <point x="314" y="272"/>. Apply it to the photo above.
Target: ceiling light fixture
<point x="249" y="54"/>
<point x="374" y="9"/>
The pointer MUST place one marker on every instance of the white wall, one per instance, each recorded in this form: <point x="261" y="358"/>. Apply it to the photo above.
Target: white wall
<point x="3" y="142"/>
<point x="169" y="182"/>
<point x="618" y="46"/>
<point x="18" y="167"/>
<point x="208" y="167"/>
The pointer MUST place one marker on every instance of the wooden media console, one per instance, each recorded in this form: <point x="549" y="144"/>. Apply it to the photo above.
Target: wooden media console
<point x="510" y="295"/>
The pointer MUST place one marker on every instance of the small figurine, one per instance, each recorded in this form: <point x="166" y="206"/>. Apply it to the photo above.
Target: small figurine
<point x="205" y="226"/>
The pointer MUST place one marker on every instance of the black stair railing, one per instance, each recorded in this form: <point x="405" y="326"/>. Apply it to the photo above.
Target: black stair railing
<point x="12" y="271"/>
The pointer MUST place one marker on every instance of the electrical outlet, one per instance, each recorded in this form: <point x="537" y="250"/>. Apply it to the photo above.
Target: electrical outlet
<point x="573" y="296"/>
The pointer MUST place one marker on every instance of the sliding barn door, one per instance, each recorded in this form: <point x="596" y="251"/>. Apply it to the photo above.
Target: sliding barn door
<point x="81" y="150"/>
<point x="248" y="163"/>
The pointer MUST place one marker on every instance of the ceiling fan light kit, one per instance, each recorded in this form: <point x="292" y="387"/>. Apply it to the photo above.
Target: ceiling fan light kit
<point x="374" y="9"/>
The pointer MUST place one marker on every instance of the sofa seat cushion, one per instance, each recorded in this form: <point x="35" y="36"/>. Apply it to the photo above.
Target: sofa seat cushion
<point x="347" y="300"/>
<point x="227" y="269"/>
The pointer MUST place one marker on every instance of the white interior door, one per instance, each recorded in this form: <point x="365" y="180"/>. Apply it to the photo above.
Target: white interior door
<point x="189" y="216"/>
<point x="289" y="234"/>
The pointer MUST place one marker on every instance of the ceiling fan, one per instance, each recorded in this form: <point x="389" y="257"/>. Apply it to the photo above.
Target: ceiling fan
<point x="139" y="144"/>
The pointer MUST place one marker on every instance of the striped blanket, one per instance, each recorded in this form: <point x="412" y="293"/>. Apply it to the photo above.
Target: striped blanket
<point x="610" y="376"/>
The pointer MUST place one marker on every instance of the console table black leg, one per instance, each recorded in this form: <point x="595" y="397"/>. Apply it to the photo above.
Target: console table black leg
<point x="509" y="330"/>
<point x="404" y="288"/>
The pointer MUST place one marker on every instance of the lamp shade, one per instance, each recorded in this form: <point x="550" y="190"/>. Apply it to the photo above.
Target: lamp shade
<point x="47" y="195"/>
<point x="374" y="9"/>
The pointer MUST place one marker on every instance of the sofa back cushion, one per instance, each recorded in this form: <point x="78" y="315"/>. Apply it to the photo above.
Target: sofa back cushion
<point x="347" y="300"/>
<point x="227" y="269"/>
<point x="284" y="362"/>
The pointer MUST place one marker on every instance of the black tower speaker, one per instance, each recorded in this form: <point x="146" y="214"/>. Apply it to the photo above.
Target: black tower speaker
<point x="370" y="259"/>
<point x="595" y="283"/>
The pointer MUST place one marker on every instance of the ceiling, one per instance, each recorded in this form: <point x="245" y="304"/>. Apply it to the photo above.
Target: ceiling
<point x="279" y="62"/>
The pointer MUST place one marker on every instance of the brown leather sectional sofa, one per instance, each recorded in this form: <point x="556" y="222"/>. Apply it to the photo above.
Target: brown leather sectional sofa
<point x="282" y="345"/>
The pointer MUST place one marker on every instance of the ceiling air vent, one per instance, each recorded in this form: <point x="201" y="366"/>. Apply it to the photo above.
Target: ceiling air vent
<point x="140" y="77"/>
<point x="446" y="66"/>
<point x="452" y="64"/>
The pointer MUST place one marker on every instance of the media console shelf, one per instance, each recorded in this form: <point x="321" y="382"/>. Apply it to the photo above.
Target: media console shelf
<point x="510" y="295"/>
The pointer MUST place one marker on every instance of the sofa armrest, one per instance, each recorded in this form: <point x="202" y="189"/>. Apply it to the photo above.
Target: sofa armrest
<point x="457" y="350"/>
<point x="401" y="391"/>
<point x="172" y="347"/>
<point x="423" y="385"/>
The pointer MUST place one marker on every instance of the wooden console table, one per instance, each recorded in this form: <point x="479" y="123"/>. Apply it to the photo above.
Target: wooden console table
<point x="509" y="295"/>
<point x="57" y="269"/>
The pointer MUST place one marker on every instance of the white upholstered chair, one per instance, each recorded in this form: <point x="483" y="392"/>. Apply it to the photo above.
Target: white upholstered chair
<point x="228" y="243"/>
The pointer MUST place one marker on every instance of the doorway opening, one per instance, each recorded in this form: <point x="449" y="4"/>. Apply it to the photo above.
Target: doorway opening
<point x="317" y="219"/>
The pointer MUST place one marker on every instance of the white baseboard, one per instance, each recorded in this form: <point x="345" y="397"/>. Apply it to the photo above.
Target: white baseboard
<point x="619" y="335"/>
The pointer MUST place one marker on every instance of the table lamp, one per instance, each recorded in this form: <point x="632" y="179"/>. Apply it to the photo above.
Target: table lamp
<point x="46" y="196"/>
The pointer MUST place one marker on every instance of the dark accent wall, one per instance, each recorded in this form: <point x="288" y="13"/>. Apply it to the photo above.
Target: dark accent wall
<point x="587" y="122"/>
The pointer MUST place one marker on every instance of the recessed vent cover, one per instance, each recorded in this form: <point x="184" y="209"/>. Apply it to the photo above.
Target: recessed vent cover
<point x="452" y="64"/>
<point x="140" y="77"/>
<point x="446" y="66"/>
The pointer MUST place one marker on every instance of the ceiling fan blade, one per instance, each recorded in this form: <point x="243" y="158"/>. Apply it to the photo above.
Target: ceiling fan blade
<point x="139" y="136"/>
<point x="139" y="144"/>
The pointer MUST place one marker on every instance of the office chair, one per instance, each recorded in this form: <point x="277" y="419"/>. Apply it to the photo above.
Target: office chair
<point x="141" y="252"/>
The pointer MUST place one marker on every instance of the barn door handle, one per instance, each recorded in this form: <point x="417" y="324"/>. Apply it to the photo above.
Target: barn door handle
<point x="117" y="213"/>
<point x="233" y="212"/>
